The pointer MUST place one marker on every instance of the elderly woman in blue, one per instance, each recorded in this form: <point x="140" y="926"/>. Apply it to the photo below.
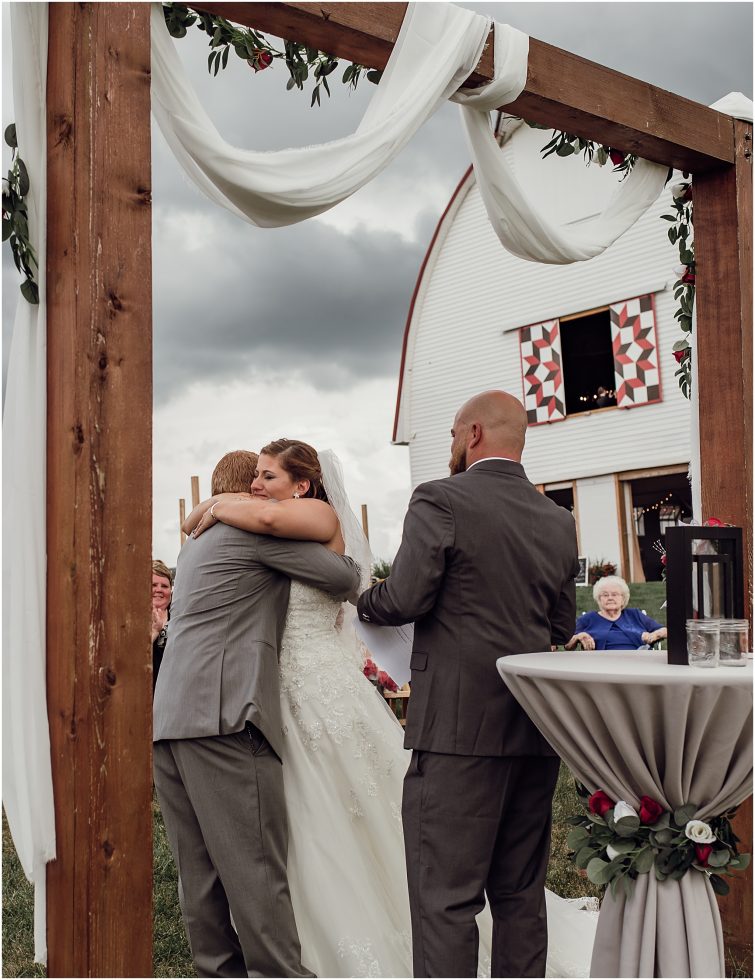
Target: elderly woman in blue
<point x="614" y="627"/>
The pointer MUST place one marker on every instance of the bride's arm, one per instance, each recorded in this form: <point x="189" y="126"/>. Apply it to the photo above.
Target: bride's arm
<point x="201" y="509"/>
<point x="303" y="519"/>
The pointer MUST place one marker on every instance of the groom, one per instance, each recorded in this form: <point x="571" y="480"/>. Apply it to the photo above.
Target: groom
<point x="218" y="744"/>
<point x="486" y="568"/>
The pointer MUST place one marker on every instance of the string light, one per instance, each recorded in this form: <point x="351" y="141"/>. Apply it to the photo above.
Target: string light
<point x="639" y="511"/>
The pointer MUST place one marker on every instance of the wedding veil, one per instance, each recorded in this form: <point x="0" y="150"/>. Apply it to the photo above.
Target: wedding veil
<point x="357" y="546"/>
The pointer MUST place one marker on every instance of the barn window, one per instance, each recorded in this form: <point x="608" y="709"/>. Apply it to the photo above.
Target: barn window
<point x="600" y="359"/>
<point x="588" y="362"/>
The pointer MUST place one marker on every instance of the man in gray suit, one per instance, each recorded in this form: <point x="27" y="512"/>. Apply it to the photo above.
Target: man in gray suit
<point x="218" y="743"/>
<point x="486" y="568"/>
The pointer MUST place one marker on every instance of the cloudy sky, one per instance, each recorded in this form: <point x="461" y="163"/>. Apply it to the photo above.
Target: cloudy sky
<point x="261" y="333"/>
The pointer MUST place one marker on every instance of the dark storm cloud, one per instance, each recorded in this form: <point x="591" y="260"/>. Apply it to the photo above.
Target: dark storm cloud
<point x="297" y="299"/>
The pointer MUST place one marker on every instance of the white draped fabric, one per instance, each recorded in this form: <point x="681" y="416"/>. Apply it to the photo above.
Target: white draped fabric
<point x="27" y="773"/>
<point x="438" y="47"/>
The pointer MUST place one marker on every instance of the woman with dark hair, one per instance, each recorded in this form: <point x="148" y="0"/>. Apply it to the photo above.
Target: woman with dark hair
<point x="344" y="760"/>
<point x="162" y="592"/>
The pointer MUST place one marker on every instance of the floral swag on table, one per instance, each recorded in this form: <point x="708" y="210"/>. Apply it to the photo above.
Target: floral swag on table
<point x="615" y="844"/>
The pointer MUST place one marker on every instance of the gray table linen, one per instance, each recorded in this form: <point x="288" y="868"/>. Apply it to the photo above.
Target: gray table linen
<point x="629" y="724"/>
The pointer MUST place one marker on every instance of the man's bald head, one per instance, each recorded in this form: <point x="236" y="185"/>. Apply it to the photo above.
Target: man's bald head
<point x="493" y="423"/>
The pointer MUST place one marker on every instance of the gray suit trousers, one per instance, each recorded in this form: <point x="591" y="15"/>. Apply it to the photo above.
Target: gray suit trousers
<point x="477" y="826"/>
<point x="225" y="815"/>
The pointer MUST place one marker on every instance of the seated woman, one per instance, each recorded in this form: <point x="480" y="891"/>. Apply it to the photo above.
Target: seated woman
<point x="614" y="627"/>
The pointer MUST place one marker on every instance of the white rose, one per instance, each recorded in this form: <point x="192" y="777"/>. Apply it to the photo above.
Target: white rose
<point x="623" y="809"/>
<point x="699" y="832"/>
<point x="611" y="852"/>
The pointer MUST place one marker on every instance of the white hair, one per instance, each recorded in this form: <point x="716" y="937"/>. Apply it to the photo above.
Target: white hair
<point x="615" y="582"/>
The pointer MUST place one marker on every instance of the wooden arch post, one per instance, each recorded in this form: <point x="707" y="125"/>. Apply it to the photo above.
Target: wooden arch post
<point x="99" y="488"/>
<point x="100" y="401"/>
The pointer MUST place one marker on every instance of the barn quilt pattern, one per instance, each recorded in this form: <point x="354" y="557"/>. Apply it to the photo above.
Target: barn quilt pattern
<point x="542" y="370"/>
<point x="635" y="352"/>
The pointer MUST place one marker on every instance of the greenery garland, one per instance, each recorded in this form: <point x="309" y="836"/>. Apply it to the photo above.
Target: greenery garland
<point x="16" y="219"/>
<point x="301" y="61"/>
<point x="615" y="844"/>
<point x="256" y="50"/>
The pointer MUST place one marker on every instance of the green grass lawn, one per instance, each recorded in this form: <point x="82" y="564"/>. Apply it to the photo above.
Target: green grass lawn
<point x="171" y="957"/>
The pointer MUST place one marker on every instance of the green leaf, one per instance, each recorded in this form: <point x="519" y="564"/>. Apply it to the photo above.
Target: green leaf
<point x="669" y="217"/>
<point x="624" y="846"/>
<point x="719" y="885"/>
<point x="596" y="871"/>
<point x="225" y="57"/>
<point x="10" y="136"/>
<point x="683" y="814"/>
<point x="740" y="862"/>
<point x="583" y="856"/>
<point x="374" y="76"/>
<point x="30" y="292"/>
<point x="681" y="345"/>
<point x="576" y="837"/>
<point x="719" y="858"/>
<point x="644" y="861"/>
<point x="672" y="235"/>
<point x="7" y="228"/>
<point x="564" y="150"/>
<point x="627" y="826"/>
<point x="23" y="178"/>
<point x="290" y="83"/>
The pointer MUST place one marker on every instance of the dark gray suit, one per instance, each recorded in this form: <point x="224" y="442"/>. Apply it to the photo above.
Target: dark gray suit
<point x="486" y="568"/>
<point x="217" y="733"/>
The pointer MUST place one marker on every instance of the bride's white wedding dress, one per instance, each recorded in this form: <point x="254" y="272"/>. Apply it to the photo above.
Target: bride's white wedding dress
<point x="344" y="765"/>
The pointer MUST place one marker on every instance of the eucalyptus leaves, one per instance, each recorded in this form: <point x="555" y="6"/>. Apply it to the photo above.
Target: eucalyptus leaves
<point x="680" y="234"/>
<point x="566" y="145"/>
<point x="616" y="844"/>
<point x="301" y="60"/>
<point x="16" y="219"/>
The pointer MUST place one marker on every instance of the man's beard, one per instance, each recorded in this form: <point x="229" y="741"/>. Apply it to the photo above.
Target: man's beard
<point x="458" y="462"/>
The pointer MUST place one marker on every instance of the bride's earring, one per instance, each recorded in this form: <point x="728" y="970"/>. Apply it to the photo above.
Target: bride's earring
<point x="296" y="496"/>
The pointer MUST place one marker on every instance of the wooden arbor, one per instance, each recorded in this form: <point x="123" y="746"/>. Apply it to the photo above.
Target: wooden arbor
<point x="100" y="401"/>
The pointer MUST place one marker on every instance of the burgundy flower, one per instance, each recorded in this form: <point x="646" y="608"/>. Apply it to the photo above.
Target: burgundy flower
<point x="703" y="852"/>
<point x="689" y="277"/>
<point x="650" y="809"/>
<point x="387" y="681"/>
<point x="370" y="669"/>
<point x="617" y="157"/>
<point x="713" y="522"/>
<point x="680" y="355"/>
<point x="600" y="803"/>
<point x="663" y="559"/>
<point x="260" y="61"/>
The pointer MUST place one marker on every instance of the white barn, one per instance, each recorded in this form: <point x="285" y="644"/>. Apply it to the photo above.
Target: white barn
<point x="482" y="318"/>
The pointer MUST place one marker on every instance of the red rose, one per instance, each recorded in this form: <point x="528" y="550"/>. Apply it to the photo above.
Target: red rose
<point x="599" y="803"/>
<point x="370" y="669"/>
<point x="703" y="853"/>
<point x="650" y="810"/>
<point x="713" y="522"/>
<point x="260" y="61"/>
<point x="663" y="559"/>
<point x="680" y="355"/>
<point x="617" y="157"/>
<point x="689" y="277"/>
<point x="387" y="681"/>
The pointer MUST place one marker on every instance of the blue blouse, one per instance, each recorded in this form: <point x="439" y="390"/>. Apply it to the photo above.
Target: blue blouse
<point x="623" y="633"/>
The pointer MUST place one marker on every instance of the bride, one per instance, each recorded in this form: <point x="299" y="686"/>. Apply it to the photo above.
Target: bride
<point x="343" y="759"/>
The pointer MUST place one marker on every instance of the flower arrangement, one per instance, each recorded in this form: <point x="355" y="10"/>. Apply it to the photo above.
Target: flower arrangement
<point x="684" y="288"/>
<point x="615" y="843"/>
<point x="599" y="569"/>
<point x="380" y="678"/>
<point x="16" y="219"/>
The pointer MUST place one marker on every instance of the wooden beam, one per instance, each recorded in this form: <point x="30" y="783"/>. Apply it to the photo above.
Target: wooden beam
<point x="99" y="476"/>
<point x="563" y="91"/>
<point x="723" y="258"/>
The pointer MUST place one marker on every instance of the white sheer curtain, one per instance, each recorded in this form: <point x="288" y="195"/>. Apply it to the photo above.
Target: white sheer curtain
<point x="27" y="774"/>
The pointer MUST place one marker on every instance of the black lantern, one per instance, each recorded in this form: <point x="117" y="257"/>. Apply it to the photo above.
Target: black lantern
<point x="704" y="580"/>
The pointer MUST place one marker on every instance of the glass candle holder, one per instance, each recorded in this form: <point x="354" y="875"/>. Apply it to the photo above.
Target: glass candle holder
<point x="702" y="642"/>
<point x="733" y="642"/>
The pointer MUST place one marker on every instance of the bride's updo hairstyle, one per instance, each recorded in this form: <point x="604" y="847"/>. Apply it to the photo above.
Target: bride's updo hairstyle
<point x="300" y="461"/>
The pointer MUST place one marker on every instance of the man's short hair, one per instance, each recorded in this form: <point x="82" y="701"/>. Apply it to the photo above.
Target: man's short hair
<point x="160" y="568"/>
<point x="234" y="473"/>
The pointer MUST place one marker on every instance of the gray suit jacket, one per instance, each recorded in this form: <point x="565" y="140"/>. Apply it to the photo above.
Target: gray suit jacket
<point x="486" y="568"/>
<point x="220" y="667"/>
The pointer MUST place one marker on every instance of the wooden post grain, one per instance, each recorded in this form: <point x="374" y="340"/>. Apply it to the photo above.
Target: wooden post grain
<point x="181" y="517"/>
<point x="365" y="522"/>
<point x="723" y="260"/>
<point x="99" y="476"/>
<point x="194" y="491"/>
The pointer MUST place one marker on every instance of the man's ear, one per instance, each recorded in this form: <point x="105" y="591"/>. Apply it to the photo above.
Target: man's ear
<point x="475" y="435"/>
